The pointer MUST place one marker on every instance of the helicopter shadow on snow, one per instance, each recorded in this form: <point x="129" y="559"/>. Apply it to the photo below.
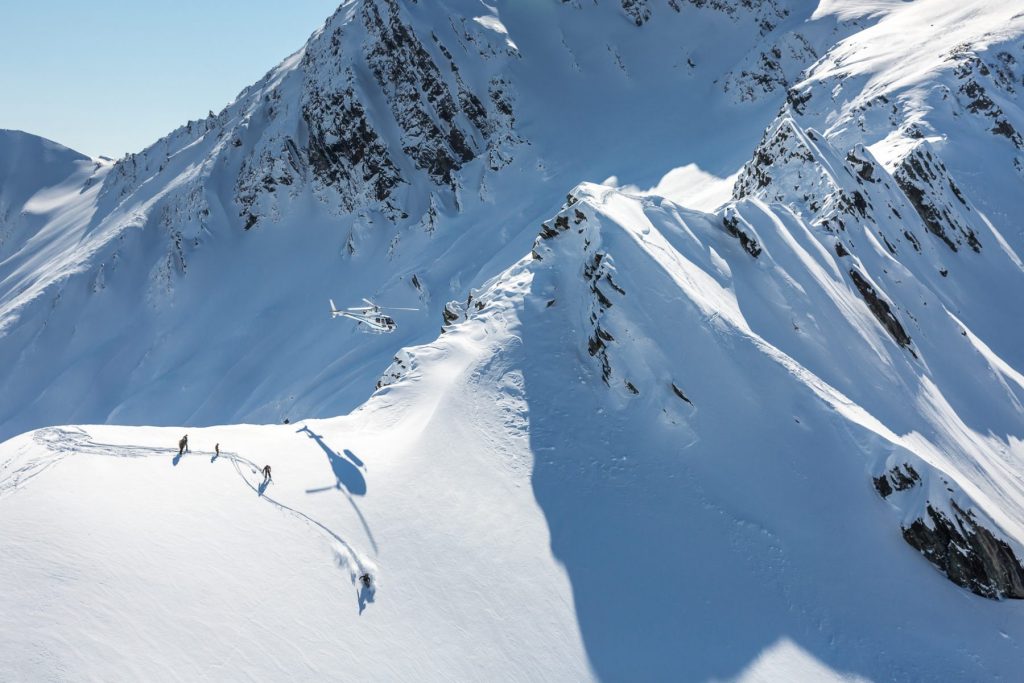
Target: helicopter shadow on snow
<point x="346" y="467"/>
<point x="348" y="476"/>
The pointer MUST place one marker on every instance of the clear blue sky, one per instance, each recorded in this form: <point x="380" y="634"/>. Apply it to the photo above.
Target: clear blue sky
<point x="112" y="76"/>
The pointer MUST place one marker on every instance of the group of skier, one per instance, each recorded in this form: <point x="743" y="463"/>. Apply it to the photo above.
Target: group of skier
<point x="183" y="448"/>
<point x="365" y="579"/>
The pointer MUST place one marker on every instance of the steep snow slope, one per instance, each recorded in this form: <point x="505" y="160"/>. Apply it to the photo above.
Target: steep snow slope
<point x="623" y="459"/>
<point x="40" y="184"/>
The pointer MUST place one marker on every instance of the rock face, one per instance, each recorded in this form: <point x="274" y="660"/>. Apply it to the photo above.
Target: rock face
<point x="923" y="178"/>
<point x="969" y="554"/>
<point x="344" y="150"/>
<point x="308" y="123"/>
<point x="880" y="308"/>
<point x="799" y="167"/>
<point x="983" y="83"/>
<point x="953" y="538"/>
<point x="896" y="479"/>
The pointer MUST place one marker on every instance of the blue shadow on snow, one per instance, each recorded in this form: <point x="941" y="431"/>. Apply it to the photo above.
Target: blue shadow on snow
<point x="346" y="469"/>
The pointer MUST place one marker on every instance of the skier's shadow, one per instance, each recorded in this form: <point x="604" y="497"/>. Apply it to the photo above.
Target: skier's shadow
<point x="263" y="487"/>
<point x="366" y="596"/>
<point x="346" y="469"/>
<point x="176" y="460"/>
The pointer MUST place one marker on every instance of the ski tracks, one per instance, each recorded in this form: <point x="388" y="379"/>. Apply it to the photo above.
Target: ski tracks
<point x="53" y="444"/>
<point x="57" y="444"/>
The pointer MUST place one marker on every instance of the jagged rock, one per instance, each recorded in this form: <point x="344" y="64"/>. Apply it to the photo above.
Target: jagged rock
<point x="345" y="151"/>
<point x="397" y="371"/>
<point x="881" y="310"/>
<point x="453" y="312"/>
<point x="749" y="244"/>
<point x="679" y="392"/>
<point x="923" y="178"/>
<point x="420" y="99"/>
<point x="969" y="554"/>
<point x="974" y="74"/>
<point x="637" y="10"/>
<point x="897" y="479"/>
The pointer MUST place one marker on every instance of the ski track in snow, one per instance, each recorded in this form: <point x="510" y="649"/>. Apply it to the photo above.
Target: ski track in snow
<point x="62" y="442"/>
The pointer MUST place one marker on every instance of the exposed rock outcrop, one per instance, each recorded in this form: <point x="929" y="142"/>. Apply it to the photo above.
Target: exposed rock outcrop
<point x="927" y="184"/>
<point x="952" y="537"/>
<point x="881" y="310"/>
<point x="968" y="553"/>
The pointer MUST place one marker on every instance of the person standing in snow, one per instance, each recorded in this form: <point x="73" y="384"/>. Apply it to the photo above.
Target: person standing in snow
<point x="182" y="445"/>
<point x="216" y="450"/>
<point x="266" y="474"/>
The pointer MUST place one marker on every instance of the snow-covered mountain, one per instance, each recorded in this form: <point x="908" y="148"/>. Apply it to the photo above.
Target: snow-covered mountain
<point x="742" y="424"/>
<point x="405" y="153"/>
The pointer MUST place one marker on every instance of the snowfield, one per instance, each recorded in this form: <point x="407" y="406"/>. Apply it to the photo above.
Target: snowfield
<point x="226" y="584"/>
<point x="750" y="409"/>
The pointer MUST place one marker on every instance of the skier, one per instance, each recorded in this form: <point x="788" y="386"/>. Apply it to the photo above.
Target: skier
<point x="216" y="450"/>
<point x="365" y="580"/>
<point x="266" y="474"/>
<point x="182" y="445"/>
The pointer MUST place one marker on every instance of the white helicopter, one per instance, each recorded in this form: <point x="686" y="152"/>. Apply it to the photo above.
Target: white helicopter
<point x="370" y="317"/>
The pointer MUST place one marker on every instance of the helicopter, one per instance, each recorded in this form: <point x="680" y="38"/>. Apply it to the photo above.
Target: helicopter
<point x="370" y="317"/>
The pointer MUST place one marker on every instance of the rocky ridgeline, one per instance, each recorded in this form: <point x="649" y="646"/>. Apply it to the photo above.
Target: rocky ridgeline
<point x="597" y="274"/>
<point x="572" y="250"/>
<point x="442" y="124"/>
<point x="838" y="191"/>
<point x="307" y="125"/>
<point x="917" y="211"/>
